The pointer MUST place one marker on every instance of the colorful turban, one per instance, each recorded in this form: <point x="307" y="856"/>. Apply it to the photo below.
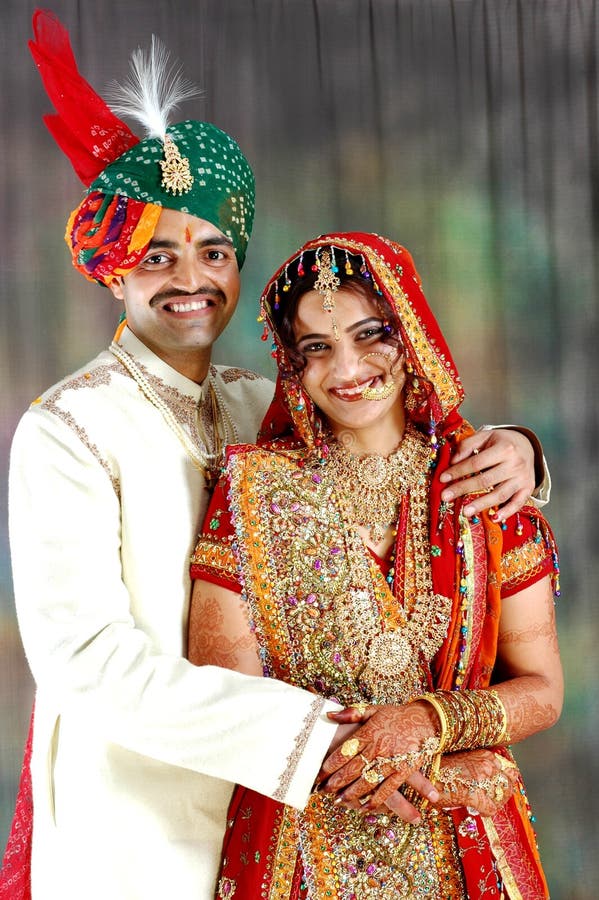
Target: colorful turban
<point x="193" y="167"/>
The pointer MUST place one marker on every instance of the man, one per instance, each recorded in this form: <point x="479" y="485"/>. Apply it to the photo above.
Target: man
<point x="134" y="749"/>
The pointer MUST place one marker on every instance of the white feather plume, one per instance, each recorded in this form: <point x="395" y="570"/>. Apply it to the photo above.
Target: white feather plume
<point x="153" y="89"/>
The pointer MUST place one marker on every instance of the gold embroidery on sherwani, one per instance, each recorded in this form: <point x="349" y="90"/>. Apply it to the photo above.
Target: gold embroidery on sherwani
<point x="97" y="377"/>
<point x="326" y="620"/>
<point x="300" y="744"/>
<point x="232" y="374"/>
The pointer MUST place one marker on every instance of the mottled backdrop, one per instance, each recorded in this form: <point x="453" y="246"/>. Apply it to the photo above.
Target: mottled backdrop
<point x="467" y="130"/>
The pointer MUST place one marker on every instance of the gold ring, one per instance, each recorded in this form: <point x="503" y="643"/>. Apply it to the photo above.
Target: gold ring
<point x="501" y="784"/>
<point x="360" y="707"/>
<point x="350" y="747"/>
<point x="505" y="763"/>
<point x="372" y="777"/>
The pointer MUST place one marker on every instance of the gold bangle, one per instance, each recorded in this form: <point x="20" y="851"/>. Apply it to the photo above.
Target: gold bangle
<point x="434" y="702"/>
<point x="435" y="768"/>
<point x="504" y="736"/>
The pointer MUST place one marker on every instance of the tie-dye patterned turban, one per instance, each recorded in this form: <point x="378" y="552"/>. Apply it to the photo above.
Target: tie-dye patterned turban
<point x="193" y="167"/>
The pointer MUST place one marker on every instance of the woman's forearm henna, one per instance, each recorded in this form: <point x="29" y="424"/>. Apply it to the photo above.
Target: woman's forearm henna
<point x="526" y="713"/>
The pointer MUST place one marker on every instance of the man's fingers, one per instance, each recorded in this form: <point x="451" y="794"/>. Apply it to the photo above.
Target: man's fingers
<point x="489" y="460"/>
<point x="399" y="806"/>
<point x="470" y="445"/>
<point x="361" y="712"/>
<point x="488" y="480"/>
<point x="492" y="495"/>
<point x="516" y="503"/>
<point x="503" y="501"/>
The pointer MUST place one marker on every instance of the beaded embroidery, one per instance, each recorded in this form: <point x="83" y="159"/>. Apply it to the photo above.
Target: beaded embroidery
<point x="324" y="614"/>
<point x="518" y="564"/>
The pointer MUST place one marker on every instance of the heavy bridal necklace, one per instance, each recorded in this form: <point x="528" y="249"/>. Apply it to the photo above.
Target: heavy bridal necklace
<point x="392" y="655"/>
<point x="373" y="485"/>
<point x="207" y="458"/>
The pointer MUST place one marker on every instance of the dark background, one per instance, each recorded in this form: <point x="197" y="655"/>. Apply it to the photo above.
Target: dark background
<point x="467" y="130"/>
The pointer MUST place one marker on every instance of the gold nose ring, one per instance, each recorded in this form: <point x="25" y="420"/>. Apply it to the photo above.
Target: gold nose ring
<point x="386" y="356"/>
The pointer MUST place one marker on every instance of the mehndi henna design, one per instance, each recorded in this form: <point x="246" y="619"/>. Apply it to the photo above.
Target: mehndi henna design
<point x="210" y="645"/>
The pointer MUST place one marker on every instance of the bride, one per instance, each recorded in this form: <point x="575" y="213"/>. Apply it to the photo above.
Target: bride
<point x="328" y="560"/>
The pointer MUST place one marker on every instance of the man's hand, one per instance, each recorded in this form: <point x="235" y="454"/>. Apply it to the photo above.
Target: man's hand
<point x="499" y="462"/>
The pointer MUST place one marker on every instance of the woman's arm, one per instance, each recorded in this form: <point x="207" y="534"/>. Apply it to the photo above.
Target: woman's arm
<point x="219" y="630"/>
<point x="528" y="668"/>
<point x="220" y="635"/>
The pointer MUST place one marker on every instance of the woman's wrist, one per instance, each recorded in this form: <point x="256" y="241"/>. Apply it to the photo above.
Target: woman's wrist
<point x="468" y="719"/>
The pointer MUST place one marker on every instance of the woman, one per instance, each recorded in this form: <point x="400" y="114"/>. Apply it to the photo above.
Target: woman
<point x="358" y="583"/>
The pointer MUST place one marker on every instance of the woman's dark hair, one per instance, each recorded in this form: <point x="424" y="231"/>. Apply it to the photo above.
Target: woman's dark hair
<point x="300" y="278"/>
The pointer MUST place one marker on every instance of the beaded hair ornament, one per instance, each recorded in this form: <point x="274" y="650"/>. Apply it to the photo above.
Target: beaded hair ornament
<point x="327" y="284"/>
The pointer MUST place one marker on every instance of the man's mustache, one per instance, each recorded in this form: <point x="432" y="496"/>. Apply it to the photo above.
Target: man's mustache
<point x="171" y="295"/>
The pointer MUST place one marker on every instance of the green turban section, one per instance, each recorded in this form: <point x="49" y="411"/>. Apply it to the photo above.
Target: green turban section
<point x="222" y="190"/>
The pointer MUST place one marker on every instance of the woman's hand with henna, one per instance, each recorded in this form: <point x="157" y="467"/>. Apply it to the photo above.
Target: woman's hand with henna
<point x="392" y="744"/>
<point x="481" y="779"/>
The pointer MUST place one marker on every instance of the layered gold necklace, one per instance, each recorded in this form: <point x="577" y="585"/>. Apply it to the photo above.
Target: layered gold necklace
<point x="373" y="485"/>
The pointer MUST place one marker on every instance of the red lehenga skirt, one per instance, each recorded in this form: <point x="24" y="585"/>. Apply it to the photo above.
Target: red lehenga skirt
<point x="273" y="852"/>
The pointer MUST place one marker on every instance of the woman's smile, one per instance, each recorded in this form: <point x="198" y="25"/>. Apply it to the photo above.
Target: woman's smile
<point x="355" y="391"/>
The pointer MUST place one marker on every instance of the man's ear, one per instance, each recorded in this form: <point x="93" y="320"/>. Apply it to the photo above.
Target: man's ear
<point x="118" y="288"/>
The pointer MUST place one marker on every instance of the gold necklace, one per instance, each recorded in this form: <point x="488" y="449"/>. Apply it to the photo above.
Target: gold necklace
<point x="393" y="662"/>
<point x="207" y="459"/>
<point x="373" y="485"/>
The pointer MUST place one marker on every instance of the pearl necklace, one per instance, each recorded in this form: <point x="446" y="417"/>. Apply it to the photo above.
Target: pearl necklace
<point x="207" y="461"/>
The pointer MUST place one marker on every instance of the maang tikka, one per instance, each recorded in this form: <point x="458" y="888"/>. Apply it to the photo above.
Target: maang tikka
<point x="327" y="284"/>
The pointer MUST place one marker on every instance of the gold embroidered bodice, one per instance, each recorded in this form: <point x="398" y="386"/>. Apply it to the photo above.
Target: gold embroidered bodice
<point x="324" y="615"/>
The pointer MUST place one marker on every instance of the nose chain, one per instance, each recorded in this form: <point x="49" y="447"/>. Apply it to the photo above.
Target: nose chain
<point x="206" y="459"/>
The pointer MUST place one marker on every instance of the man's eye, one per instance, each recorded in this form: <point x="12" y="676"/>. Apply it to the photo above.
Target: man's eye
<point x="155" y="259"/>
<point x="216" y="255"/>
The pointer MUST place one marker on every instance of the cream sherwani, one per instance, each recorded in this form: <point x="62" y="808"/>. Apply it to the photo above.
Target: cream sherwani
<point x="135" y="750"/>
